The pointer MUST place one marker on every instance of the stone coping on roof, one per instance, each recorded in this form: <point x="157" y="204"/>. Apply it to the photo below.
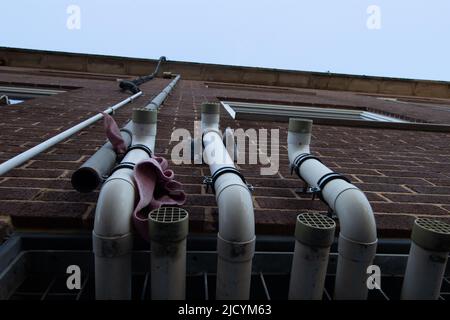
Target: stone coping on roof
<point x="102" y="64"/>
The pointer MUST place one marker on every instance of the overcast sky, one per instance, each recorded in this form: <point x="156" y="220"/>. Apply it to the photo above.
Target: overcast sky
<point x="397" y="38"/>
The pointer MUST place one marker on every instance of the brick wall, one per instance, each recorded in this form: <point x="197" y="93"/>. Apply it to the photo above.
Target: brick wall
<point x="405" y="174"/>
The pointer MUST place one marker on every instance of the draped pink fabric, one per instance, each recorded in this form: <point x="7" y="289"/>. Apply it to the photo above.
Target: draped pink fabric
<point x="113" y="134"/>
<point x="156" y="187"/>
<point x="155" y="182"/>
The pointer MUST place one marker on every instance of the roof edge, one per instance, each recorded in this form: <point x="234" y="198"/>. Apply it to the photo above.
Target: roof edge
<point x="105" y="64"/>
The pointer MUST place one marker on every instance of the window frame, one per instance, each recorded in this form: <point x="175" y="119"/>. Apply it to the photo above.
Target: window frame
<point x="265" y="111"/>
<point x="24" y="93"/>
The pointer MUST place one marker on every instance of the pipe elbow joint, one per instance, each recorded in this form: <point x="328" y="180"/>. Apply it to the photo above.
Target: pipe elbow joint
<point x="115" y="206"/>
<point x="236" y="214"/>
<point x="296" y="149"/>
<point x="357" y="221"/>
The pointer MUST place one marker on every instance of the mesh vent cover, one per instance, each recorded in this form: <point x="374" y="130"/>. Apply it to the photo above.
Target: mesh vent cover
<point x="168" y="224"/>
<point x="317" y="221"/>
<point x="168" y="214"/>
<point x="431" y="234"/>
<point x="434" y="225"/>
<point x="315" y="229"/>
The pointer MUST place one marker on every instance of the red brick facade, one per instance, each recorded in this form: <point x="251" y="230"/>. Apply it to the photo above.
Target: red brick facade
<point x="404" y="173"/>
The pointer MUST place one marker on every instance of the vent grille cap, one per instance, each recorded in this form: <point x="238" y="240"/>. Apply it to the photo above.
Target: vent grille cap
<point x="431" y="234"/>
<point x="315" y="229"/>
<point x="168" y="224"/>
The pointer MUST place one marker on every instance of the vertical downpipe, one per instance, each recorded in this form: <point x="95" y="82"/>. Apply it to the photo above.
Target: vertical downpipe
<point x="236" y="236"/>
<point x="113" y="233"/>
<point x="168" y="229"/>
<point x="427" y="260"/>
<point x="314" y="234"/>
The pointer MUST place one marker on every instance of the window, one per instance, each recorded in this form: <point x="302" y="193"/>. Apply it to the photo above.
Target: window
<point x="14" y="95"/>
<point x="4" y="100"/>
<point x="245" y="110"/>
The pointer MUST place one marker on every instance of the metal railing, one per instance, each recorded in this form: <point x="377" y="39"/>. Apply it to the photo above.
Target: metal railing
<point x="29" y="271"/>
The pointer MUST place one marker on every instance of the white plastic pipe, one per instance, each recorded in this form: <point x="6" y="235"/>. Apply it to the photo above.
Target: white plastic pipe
<point x="358" y="236"/>
<point x="112" y="235"/>
<point x="424" y="273"/>
<point x="168" y="228"/>
<point x="168" y="270"/>
<point x="30" y="153"/>
<point x="236" y="237"/>
<point x="161" y="97"/>
<point x="309" y="269"/>
<point x="314" y="234"/>
<point x="427" y="260"/>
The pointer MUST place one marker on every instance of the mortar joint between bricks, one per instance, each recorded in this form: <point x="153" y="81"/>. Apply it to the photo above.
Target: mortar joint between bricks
<point x="38" y="195"/>
<point x="27" y="164"/>
<point x="381" y="195"/>
<point x="444" y="207"/>
<point x="255" y="203"/>
<point x="380" y="173"/>
<point x="408" y="189"/>
<point x="85" y="215"/>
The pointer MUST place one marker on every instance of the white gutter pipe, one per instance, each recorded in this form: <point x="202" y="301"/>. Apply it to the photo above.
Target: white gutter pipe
<point x="236" y="237"/>
<point x="427" y="260"/>
<point x="168" y="229"/>
<point x="314" y="235"/>
<point x="30" y="153"/>
<point x="159" y="99"/>
<point x="112" y="236"/>
<point x="358" y="236"/>
<point x="91" y="174"/>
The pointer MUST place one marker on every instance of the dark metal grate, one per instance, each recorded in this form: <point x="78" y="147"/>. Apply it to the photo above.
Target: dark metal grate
<point x="34" y="267"/>
<point x="198" y="287"/>
<point x="41" y="283"/>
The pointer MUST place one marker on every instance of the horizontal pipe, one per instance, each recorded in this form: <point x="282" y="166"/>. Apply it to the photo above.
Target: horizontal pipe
<point x="195" y="242"/>
<point x="30" y="153"/>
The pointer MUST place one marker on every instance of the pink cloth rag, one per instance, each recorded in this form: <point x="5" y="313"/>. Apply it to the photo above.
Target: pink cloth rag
<point x="156" y="187"/>
<point x="113" y="134"/>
